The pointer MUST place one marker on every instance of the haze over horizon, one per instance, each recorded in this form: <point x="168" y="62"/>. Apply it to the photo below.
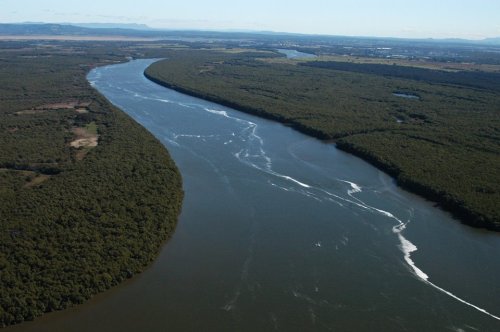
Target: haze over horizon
<point x="386" y="18"/>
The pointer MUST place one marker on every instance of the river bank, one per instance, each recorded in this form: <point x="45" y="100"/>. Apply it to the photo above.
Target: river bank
<point x="446" y="202"/>
<point x="281" y="231"/>
<point x="75" y="219"/>
<point x="450" y="199"/>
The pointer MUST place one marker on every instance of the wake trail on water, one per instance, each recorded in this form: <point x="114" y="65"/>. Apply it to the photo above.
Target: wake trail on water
<point x="254" y="155"/>
<point x="406" y="246"/>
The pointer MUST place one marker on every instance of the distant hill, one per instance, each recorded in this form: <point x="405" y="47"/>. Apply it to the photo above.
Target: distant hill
<point x="41" y="29"/>
<point x="136" y="31"/>
<point x="91" y="29"/>
<point x="132" y="26"/>
<point x="144" y="31"/>
<point x="495" y="40"/>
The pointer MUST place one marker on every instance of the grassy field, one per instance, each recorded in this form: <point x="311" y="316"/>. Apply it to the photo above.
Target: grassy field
<point x="443" y="144"/>
<point x="75" y="219"/>
<point x="417" y="63"/>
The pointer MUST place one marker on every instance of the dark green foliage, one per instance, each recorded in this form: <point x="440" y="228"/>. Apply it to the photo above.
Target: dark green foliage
<point x="475" y="79"/>
<point x="445" y="145"/>
<point x="92" y="222"/>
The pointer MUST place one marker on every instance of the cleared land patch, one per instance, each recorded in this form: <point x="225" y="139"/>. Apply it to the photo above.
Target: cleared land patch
<point x="86" y="138"/>
<point x="79" y="107"/>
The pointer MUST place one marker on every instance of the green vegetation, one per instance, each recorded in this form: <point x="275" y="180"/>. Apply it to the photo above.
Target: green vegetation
<point x="444" y="145"/>
<point x="476" y="79"/>
<point x="91" y="128"/>
<point x="73" y="224"/>
<point x="88" y="196"/>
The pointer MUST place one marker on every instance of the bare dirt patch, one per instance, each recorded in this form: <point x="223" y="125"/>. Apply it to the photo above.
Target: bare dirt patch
<point x="204" y="69"/>
<point x="37" y="180"/>
<point x="78" y="106"/>
<point x="26" y="112"/>
<point x="57" y="106"/>
<point x="89" y="142"/>
<point x="33" y="179"/>
<point x="84" y="138"/>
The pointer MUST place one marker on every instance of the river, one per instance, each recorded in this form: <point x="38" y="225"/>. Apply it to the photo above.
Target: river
<point x="294" y="54"/>
<point x="282" y="232"/>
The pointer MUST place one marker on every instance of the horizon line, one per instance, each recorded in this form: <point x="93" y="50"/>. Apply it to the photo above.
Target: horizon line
<point x="244" y="31"/>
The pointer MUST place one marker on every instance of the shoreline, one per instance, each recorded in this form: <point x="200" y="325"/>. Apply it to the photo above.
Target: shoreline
<point x="137" y="238"/>
<point x="443" y="201"/>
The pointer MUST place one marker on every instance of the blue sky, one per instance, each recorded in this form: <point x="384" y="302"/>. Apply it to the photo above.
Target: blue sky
<point x="474" y="19"/>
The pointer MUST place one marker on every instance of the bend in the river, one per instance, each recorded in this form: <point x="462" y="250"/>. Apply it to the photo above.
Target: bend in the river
<point x="280" y="231"/>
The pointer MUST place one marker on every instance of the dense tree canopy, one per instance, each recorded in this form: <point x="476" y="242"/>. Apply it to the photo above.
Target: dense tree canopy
<point x="74" y="221"/>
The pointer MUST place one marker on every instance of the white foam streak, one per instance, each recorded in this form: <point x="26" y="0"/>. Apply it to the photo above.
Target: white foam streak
<point x="231" y="304"/>
<point x="299" y="295"/>
<point x="194" y="136"/>
<point x="299" y="191"/>
<point x="463" y="301"/>
<point x="286" y="177"/>
<point x="280" y="187"/>
<point x="223" y="113"/>
<point x="185" y="105"/>
<point x="267" y="161"/>
<point x="407" y="248"/>
<point x="355" y="188"/>
<point x="170" y="141"/>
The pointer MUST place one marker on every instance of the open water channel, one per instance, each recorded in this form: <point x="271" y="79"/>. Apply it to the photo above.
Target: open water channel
<point x="282" y="232"/>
